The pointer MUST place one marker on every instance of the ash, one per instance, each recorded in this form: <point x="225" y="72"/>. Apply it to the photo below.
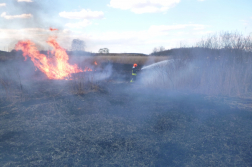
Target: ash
<point x="123" y="125"/>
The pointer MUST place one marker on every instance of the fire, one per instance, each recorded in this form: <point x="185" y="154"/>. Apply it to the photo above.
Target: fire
<point x="95" y="63"/>
<point x="56" y="67"/>
<point x="87" y="69"/>
<point x="53" y="29"/>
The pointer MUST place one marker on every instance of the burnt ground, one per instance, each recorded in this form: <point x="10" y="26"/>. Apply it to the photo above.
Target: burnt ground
<point x="122" y="124"/>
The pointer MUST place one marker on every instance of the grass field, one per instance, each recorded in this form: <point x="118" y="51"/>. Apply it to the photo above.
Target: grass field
<point x="131" y="59"/>
<point x="122" y="125"/>
<point x="110" y="122"/>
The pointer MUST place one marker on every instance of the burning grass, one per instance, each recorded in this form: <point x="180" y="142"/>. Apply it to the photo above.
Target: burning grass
<point x="56" y="67"/>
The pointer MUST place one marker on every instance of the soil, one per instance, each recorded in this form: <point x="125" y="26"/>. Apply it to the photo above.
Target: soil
<point x="123" y="124"/>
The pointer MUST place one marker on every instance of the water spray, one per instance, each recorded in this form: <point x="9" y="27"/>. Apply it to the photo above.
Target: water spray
<point x="158" y="64"/>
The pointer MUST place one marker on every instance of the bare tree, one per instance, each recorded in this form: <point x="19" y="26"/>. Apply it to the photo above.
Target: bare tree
<point x="78" y="45"/>
<point x="226" y="40"/>
<point x="161" y="48"/>
<point x="158" y="49"/>
<point x="155" y="50"/>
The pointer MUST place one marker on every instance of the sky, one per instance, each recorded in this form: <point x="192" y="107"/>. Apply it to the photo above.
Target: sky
<point x="122" y="26"/>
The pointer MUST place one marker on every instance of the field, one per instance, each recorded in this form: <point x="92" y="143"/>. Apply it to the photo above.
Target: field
<point x="131" y="59"/>
<point x="111" y="122"/>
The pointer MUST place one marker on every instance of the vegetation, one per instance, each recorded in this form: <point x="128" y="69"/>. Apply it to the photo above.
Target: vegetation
<point x="104" y="50"/>
<point x="228" y="41"/>
<point x="158" y="49"/>
<point x="218" y="65"/>
<point x="128" y="126"/>
<point x="128" y="59"/>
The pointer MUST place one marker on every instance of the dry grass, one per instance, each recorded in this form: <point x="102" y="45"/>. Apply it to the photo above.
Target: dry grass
<point x="7" y="57"/>
<point x="83" y="83"/>
<point x="126" y="59"/>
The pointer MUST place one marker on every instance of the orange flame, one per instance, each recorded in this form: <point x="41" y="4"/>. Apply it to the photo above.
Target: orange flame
<point x="87" y="69"/>
<point x="53" y="29"/>
<point x="54" y="68"/>
<point x="95" y="63"/>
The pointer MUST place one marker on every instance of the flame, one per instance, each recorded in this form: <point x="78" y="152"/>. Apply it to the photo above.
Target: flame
<point x="87" y="69"/>
<point x="54" y="68"/>
<point x="53" y="29"/>
<point x="95" y="63"/>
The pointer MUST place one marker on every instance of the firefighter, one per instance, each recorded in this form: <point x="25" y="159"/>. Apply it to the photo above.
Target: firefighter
<point x="134" y="73"/>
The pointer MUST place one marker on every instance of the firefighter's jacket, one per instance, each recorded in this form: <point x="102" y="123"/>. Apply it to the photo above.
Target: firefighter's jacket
<point x="134" y="71"/>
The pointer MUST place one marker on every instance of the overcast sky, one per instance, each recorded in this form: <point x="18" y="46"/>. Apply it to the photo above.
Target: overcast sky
<point x="131" y="26"/>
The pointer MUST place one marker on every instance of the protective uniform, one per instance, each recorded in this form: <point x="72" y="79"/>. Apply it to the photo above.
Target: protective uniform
<point x="134" y="73"/>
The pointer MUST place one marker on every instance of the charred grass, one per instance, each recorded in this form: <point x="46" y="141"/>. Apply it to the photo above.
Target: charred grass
<point x="83" y="122"/>
<point x="123" y="125"/>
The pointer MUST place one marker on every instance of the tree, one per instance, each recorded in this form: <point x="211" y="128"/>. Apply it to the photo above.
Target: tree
<point x="155" y="50"/>
<point x="226" y="40"/>
<point x="78" y="45"/>
<point x="161" y="48"/>
<point x="104" y="50"/>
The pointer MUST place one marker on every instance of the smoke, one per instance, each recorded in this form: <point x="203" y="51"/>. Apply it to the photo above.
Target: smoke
<point x="196" y="70"/>
<point x="41" y="11"/>
<point x="35" y="28"/>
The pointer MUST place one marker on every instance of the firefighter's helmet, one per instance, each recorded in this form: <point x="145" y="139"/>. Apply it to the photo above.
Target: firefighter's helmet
<point x="135" y="65"/>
